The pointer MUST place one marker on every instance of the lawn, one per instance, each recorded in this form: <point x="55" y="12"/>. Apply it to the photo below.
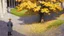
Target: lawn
<point x="22" y="13"/>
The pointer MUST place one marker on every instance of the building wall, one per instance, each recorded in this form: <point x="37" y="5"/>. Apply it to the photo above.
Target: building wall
<point x="3" y="8"/>
<point x="0" y="8"/>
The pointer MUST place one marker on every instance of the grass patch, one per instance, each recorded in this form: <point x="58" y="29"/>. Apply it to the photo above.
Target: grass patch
<point x="22" y="13"/>
<point x="39" y="28"/>
<point x="56" y="23"/>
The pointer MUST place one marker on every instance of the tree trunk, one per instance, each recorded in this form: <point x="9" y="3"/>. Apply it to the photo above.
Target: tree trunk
<point x="41" y="17"/>
<point x="62" y="4"/>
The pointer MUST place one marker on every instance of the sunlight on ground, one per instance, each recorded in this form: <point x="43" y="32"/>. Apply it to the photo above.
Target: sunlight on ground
<point x="41" y="27"/>
<point x="36" y="28"/>
<point x="61" y="16"/>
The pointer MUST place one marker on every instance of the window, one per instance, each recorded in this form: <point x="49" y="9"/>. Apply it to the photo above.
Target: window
<point x="12" y="3"/>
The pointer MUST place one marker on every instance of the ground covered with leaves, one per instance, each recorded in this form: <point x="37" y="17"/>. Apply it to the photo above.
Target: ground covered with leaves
<point x="38" y="29"/>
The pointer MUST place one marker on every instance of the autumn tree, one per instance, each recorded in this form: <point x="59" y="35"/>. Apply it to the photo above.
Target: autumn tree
<point x="40" y="6"/>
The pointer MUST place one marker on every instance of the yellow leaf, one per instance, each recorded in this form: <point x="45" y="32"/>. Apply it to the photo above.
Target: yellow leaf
<point x="53" y="0"/>
<point x="45" y="10"/>
<point x="37" y="8"/>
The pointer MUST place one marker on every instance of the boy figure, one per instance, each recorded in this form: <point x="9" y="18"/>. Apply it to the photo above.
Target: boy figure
<point x="10" y="25"/>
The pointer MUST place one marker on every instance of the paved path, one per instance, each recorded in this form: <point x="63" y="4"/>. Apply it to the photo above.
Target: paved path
<point x="3" y="25"/>
<point x="3" y="30"/>
<point x="55" y="32"/>
<point x="24" y="30"/>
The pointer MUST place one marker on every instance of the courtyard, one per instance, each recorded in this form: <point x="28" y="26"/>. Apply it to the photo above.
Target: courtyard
<point x="31" y="18"/>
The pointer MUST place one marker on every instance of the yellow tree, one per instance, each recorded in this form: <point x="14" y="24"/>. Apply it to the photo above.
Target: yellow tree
<point x="40" y="6"/>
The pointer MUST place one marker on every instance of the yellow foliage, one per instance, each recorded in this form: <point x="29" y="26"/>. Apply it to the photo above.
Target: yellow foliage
<point x="61" y="0"/>
<point x="45" y="10"/>
<point x="42" y="2"/>
<point x="53" y="8"/>
<point x="19" y="9"/>
<point x="23" y="5"/>
<point x="48" y="4"/>
<point x="57" y="6"/>
<point x="37" y="8"/>
<point x="29" y="4"/>
<point x="18" y="0"/>
<point x="53" y="0"/>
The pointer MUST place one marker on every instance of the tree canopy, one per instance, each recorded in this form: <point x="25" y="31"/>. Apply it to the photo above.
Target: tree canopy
<point x="44" y="6"/>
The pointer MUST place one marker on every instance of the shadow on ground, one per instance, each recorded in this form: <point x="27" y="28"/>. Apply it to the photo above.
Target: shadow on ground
<point x="46" y="17"/>
<point x="52" y="16"/>
<point x="29" y="19"/>
<point x="15" y="33"/>
<point x="4" y="30"/>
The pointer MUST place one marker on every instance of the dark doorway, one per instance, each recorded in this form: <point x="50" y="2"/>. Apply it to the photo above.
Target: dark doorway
<point x="12" y="3"/>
